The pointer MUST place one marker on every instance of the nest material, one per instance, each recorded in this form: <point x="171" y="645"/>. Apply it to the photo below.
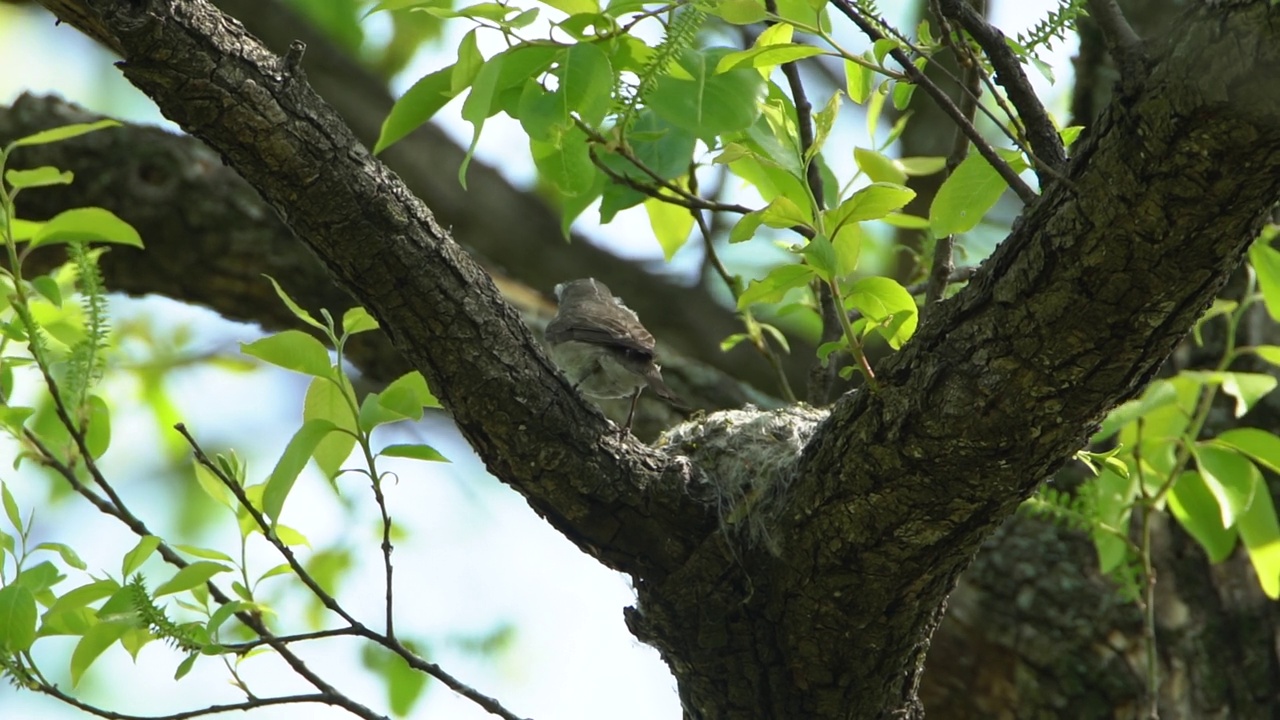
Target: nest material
<point x="748" y="456"/>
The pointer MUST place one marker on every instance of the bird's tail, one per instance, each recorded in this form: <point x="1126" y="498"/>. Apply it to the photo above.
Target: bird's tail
<point x="654" y="378"/>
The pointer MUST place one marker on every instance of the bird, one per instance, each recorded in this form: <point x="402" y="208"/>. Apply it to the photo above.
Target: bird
<point x="601" y="346"/>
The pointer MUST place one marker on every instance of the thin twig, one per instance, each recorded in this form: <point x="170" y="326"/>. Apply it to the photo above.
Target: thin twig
<point x="358" y="628"/>
<point x="713" y="259"/>
<point x="386" y="554"/>
<point x="1041" y="134"/>
<point x="1023" y="191"/>
<point x="120" y="512"/>
<point x="244" y="647"/>
<point x="944" y="249"/>
<point x="321" y="698"/>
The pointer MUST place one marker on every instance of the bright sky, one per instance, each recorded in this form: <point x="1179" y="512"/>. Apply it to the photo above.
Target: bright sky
<point x="477" y="556"/>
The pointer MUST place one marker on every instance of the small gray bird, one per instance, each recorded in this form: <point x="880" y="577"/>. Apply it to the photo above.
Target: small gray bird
<point x="601" y="346"/>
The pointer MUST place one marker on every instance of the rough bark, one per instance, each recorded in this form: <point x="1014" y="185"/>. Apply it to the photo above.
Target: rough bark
<point x="893" y="493"/>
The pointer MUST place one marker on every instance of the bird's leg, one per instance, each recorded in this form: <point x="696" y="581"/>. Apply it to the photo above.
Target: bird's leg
<point x="635" y="397"/>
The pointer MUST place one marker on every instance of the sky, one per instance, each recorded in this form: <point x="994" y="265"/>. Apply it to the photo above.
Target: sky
<point x="476" y="557"/>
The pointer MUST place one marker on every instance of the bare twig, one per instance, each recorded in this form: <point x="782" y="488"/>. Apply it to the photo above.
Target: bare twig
<point x="1041" y="133"/>
<point x="1023" y="191"/>
<point x="252" y="704"/>
<point x="118" y="510"/>
<point x="944" y="249"/>
<point x="713" y="259"/>
<point x="244" y="647"/>
<point x="358" y="628"/>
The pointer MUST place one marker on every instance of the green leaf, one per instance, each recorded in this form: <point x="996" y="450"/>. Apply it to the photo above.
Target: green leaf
<point x="11" y="507"/>
<point x="823" y="122"/>
<point x="479" y="106"/>
<point x="870" y="203"/>
<point x="69" y="614"/>
<point x="468" y="65"/>
<point x="17" y="618"/>
<point x="746" y="227"/>
<point x="1196" y="510"/>
<point x="87" y="224"/>
<point x="821" y="256"/>
<point x="197" y="573"/>
<point x="408" y="395"/>
<point x="565" y="163"/>
<point x="775" y="285"/>
<point x="1159" y="394"/>
<point x="326" y="400"/>
<point x="1230" y="477"/>
<point x="858" y="81"/>
<point x="573" y="7"/>
<point x="1269" y="353"/>
<point x="292" y="350"/>
<point x="38" y="177"/>
<point x="204" y="553"/>
<point x="1115" y="495"/>
<point x="586" y="83"/>
<point x="740" y="12"/>
<point x="138" y="555"/>
<point x="1259" y="445"/>
<point x="97" y="639"/>
<point x="68" y="555"/>
<point x="965" y="197"/>
<point x="98" y="432"/>
<point x="879" y="167"/>
<point x="294" y="307"/>
<point x="291" y="463"/>
<point x="212" y="485"/>
<point x="66" y="132"/>
<point x="224" y="613"/>
<point x="419" y="104"/>
<point x="918" y="166"/>
<point x="848" y="247"/>
<point x="1247" y="388"/>
<point x="671" y="224"/>
<point x="414" y="452"/>
<point x="39" y="578"/>
<point x="357" y="320"/>
<point x="884" y="301"/>
<point x="783" y="213"/>
<point x="1260" y="532"/>
<point x="766" y="56"/>
<point x="404" y="684"/>
<point x="708" y="105"/>
<point x="289" y="536"/>
<point x="373" y="414"/>
<point x="1266" y="263"/>
<point x="185" y="666"/>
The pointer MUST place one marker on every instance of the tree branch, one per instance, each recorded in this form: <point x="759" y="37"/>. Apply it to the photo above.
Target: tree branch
<point x="1041" y="133"/>
<point x="1020" y="188"/>
<point x="1123" y="43"/>
<point x="384" y="246"/>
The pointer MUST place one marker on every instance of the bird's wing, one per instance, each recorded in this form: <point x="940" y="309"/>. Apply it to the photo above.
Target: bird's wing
<point x="612" y="329"/>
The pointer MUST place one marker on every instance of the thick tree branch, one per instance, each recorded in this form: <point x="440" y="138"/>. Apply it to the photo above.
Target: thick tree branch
<point x="1123" y="43"/>
<point x="830" y="615"/>
<point x="1075" y="311"/>
<point x="437" y="306"/>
